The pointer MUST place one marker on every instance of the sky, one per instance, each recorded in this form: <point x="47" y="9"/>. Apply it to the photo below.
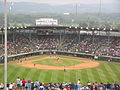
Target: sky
<point x="57" y="2"/>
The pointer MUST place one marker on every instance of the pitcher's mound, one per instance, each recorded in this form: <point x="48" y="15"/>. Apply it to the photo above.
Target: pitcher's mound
<point x="57" y="62"/>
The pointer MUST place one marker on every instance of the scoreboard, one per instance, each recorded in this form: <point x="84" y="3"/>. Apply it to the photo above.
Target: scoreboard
<point x="46" y="22"/>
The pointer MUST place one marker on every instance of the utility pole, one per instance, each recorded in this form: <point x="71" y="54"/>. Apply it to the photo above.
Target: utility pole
<point x="5" y="60"/>
<point x="76" y="9"/>
<point x="99" y="15"/>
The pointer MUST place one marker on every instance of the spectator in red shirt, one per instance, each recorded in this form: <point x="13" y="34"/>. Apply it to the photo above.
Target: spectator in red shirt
<point x="23" y="83"/>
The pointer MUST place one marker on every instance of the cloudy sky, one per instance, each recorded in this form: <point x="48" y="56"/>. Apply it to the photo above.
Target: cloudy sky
<point x="68" y="1"/>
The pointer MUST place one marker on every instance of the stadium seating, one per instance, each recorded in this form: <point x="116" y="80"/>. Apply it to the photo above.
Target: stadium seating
<point x="99" y="46"/>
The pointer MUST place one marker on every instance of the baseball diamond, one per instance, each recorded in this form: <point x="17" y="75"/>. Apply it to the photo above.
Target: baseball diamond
<point x="86" y="69"/>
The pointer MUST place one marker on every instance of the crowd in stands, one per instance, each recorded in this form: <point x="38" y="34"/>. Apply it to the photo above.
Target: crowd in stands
<point x="22" y="84"/>
<point x="99" y="45"/>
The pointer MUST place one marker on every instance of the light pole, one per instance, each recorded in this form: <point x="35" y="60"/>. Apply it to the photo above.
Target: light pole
<point x="5" y="60"/>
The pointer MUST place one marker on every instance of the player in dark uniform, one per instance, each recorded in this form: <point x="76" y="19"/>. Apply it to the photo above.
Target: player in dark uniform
<point x="58" y="59"/>
<point x="34" y="65"/>
<point x="64" y="69"/>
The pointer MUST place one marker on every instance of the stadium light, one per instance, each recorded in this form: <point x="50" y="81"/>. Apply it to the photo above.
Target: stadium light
<point x="104" y="29"/>
<point x="70" y="27"/>
<point x="98" y="28"/>
<point x="17" y="27"/>
<point x="25" y="26"/>
<point x="13" y="27"/>
<point x="111" y="29"/>
<point x="21" y="27"/>
<point x="76" y="27"/>
<point x="81" y="27"/>
<point x="87" y="28"/>
<point x="93" y="28"/>
<point x="9" y="27"/>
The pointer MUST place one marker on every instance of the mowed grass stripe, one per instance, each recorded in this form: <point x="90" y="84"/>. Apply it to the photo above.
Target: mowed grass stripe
<point x="51" y="77"/>
<point x="12" y="70"/>
<point x="111" y="72"/>
<point x="110" y="78"/>
<point x="68" y="73"/>
<point x="60" y="76"/>
<point x="72" y="75"/>
<point x="1" y="73"/>
<point x="42" y="75"/>
<point x="45" y="75"/>
<point x="35" y="74"/>
<point x="100" y="75"/>
<point x="79" y="75"/>
<point x="24" y="73"/>
<point x="105" y="72"/>
<point x="84" y="76"/>
<point x="75" y="75"/>
<point x="116" y="69"/>
<point x="48" y="76"/>
<point x="90" y="75"/>
<point x="29" y="75"/>
<point x="14" y="75"/>
<point x="20" y="72"/>
<point x="54" y="76"/>
<point x="54" y="72"/>
<point x="17" y="71"/>
<point x="114" y="77"/>
<point x="96" y="75"/>
<point x="73" y="72"/>
<point x="65" y="77"/>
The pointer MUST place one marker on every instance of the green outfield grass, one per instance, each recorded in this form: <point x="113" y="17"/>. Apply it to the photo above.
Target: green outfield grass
<point x="106" y="72"/>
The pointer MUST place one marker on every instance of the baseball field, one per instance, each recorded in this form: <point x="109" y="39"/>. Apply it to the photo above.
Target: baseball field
<point x="56" y="68"/>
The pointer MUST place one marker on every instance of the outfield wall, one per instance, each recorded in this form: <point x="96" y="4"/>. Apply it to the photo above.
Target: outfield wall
<point x="45" y="52"/>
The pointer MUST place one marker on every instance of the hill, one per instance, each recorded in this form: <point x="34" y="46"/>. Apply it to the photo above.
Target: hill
<point x="28" y="7"/>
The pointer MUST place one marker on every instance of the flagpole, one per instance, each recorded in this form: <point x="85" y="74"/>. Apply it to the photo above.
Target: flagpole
<point x="5" y="60"/>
